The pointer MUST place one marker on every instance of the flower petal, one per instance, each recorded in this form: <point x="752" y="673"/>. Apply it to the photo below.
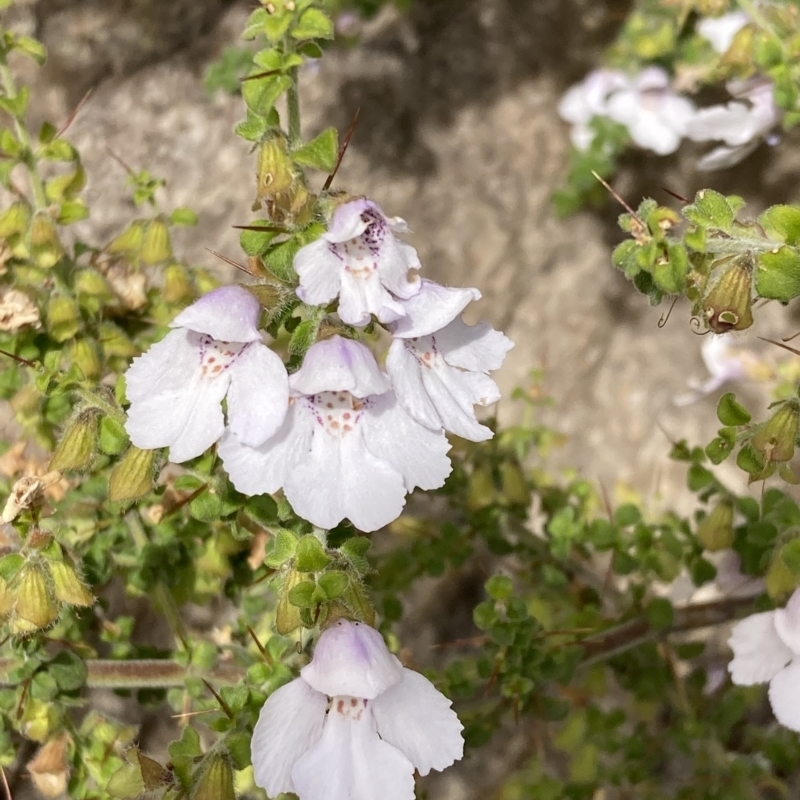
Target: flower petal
<point x="349" y="221"/>
<point x="784" y="696"/>
<point x="167" y="366"/>
<point x="723" y="156"/>
<point x="262" y="469"/>
<point x="351" y="762"/>
<point x="416" y="452"/>
<point x="406" y="374"/>
<point x="258" y="397"/>
<point x="228" y="314"/>
<point x="362" y="295"/>
<point x="348" y="481"/>
<point x="416" y="718"/>
<point x="320" y="273"/>
<point x="479" y="348"/>
<point x="787" y="623"/>
<point x="351" y="658"/>
<point x="759" y="653"/>
<point x="721" y="31"/>
<point x="339" y="365"/>
<point x="432" y="308"/>
<point x="453" y="394"/>
<point x="396" y="259"/>
<point x="289" y="725"/>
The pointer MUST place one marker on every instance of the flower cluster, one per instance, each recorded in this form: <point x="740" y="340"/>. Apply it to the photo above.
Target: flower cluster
<point x="341" y="437"/>
<point x="766" y="649"/>
<point x="658" y="118"/>
<point x="355" y="724"/>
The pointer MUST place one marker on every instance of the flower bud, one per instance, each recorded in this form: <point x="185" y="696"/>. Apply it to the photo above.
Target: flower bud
<point x="114" y="341"/>
<point x="481" y="491"/>
<point x="715" y="531"/>
<point x="156" y="247"/>
<point x="514" y="488"/>
<point x="728" y="297"/>
<point x="130" y="240"/>
<point x="14" y="220"/>
<point x="177" y="285"/>
<point x="287" y="616"/>
<point x="779" y="580"/>
<point x="775" y="439"/>
<point x="274" y="172"/>
<point x="86" y="354"/>
<point x="63" y="318"/>
<point x="46" y="247"/>
<point x="6" y="599"/>
<point x="49" y="769"/>
<point x="91" y="282"/>
<point x="77" y="446"/>
<point x="67" y="585"/>
<point x="132" y="477"/>
<point x="35" y="606"/>
<point x="216" y="780"/>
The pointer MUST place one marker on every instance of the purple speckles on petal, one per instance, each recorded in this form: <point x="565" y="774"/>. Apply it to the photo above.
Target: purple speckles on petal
<point x="216" y="357"/>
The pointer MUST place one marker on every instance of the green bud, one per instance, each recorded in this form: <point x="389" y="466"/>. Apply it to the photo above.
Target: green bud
<point x="115" y="341"/>
<point x="779" y="579"/>
<point x="63" y="318"/>
<point x="216" y="779"/>
<point x="46" y="247"/>
<point x="35" y="606"/>
<point x="77" y="446"/>
<point x="68" y="586"/>
<point x="514" y="487"/>
<point x="481" y="491"/>
<point x="6" y="599"/>
<point x="775" y="440"/>
<point x="287" y="615"/>
<point x="177" y="285"/>
<point x="14" y="220"/>
<point x="715" y="532"/>
<point x="274" y="172"/>
<point x="156" y="247"/>
<point x="86" y="354"/>
<point x="130" y="240"/>
<point x="91" y="282"/>
<point x="728" y="296"/>
<point x="132" y="477"/>
<point x="38" y="720"/>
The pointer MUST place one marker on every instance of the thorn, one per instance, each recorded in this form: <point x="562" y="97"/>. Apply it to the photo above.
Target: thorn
<point x="186" y="500"/>
<point x="606" y="500"/>
<point x="664" y="431"/>
<point x="342" y="151"/>
<point x="5" y="783"/>
<point x="19" y="359"/>
<point x="262" y="75"/>
<point x="225" y="707"/>
<point x="675" y="195"/>
<point x="262" y="650"/>
<point x="192" y="713"/>
<point x="262" y="228"/>
<point x="665" y="319"/>
<point x="119" y="161"/>
<point x="77" y="110"/>
<point x="618" y="197"/>
<point x="229" y="261"/>
<point x="780" y="344"/>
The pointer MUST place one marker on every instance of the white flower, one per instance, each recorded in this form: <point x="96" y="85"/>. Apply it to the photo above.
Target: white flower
<point x="346" y="449"/>
<point x="176" y="388"/>
<point x="766" y="648"/>
<point x="741" y="124"/>
<point x="655" y="116"/>
<point x="589" y="99"/>
<point x="438" y="364"/>
<point x="17" y="310"/>
<point x="721" y="31"/>
<point x="355" y="725"/>
<point x="724" y="365"/>
<point x="359" y="260"/>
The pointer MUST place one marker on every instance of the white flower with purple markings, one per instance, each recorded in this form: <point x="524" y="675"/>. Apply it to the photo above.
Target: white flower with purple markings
<point x="439" y="365"/>
<point x="359" y="260"/>
<point x="766" y="649"/>
<point x="215" y="352"/>
<point x="347" y="448"/>
<point x="721" y="31"/>
<point x="355" y="725"/>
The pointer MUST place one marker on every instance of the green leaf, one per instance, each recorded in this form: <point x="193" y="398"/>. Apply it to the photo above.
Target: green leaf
<point x="302" y="595"/>
<point x="31" y="47"/>
<point x="333" y="583"/>
<point x="320" y="153"/>
<point x="280" y="261"/>
<point x="253" y="128"/>
<point x="659" y="613"/>
<point x="670" y="275"/>
<point x="777" y="274"/>
<point x="355" y="549"/>
<point x="112" y="437"/>
<point x="68" y="671"/>
<point x="313" y="24"/>
<point x="260" y="94"/>
<point x="718" y="450"/>
<point x="72" y="211"/>
<point x="238" y="745"/>
<point x="255" y="24"/>
<point x="710" y="210"/>
<point x="276" y="25"/>
<point x="499" y="587"/>
<point x="209" y="506"/>
<point x="183" y="216"/>
<point x="750" y="460"/>
<point x="10" y="565"/>
<point x="283" y="547"/>
<point x="782" y="223"/>
<point x="310" y="555"/>
<point x="626" y="515"/>
<point x="790" y="555"/>
<point x="303" y="336"/>
<point x="698" y="478"/>
<point x="255" y="243"/>
<point x="730" y="412"/>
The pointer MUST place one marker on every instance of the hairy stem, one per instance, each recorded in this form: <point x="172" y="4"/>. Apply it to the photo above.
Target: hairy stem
<point x="293" y="108"/>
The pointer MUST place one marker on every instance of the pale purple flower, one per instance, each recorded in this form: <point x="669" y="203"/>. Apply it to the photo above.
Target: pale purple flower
<point x="439" y="365"/>
<point x="742" y="124"/>
<point x="766" y="648"/>
<point x="655" y="116"/>
<point x="355" y="724"/>
<point x="721" y="31"/>
<point x="724" y="365"/>
<point x="347" y="448"/>
<point x="589" y="99"/>
<point x="359" y="261"/>
<point x="176" y="388"/>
